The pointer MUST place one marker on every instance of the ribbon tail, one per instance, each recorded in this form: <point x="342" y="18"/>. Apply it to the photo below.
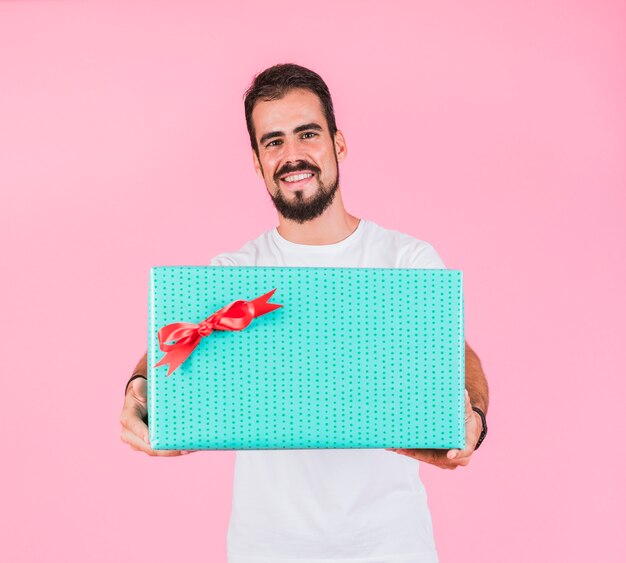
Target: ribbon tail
<point x="177" y="356"/>
<point x="261" y="306"/>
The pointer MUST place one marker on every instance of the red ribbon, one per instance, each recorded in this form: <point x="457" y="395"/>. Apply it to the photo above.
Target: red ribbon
<point x="186" y="336"/>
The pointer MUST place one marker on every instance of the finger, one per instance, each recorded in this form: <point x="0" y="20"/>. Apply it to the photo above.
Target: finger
<point x="453" y="464"/>
<point x="444" y="462"/>
<point x="138" y="427"/>
<point x="131" y="419"/>
<point x="458" y="453"/>
<point x="426" y="455"/>
<point x="438" y="458"/>
<point x="435" y="458"/>
<point x="134" y="441"/>
<point x="133" y="414"/>
<point x="140" y="387"/>
<point x="139" y="444"/>
<point x="138" y="391"/>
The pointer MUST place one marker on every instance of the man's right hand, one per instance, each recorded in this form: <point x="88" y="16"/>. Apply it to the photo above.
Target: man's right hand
<point x="134" y="429"/>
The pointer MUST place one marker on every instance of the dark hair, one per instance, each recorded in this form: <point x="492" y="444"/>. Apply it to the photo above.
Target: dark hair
<point x="275" y="82"/>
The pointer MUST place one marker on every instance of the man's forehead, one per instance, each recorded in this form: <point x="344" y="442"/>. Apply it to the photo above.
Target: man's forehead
<point x="293" y="109"/>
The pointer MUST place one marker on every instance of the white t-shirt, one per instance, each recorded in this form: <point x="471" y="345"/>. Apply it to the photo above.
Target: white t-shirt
<point x="331" y="505"/>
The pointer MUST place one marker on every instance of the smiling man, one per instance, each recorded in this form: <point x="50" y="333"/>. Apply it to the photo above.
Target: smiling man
<point x="326" y="505"/>
<point x="299" y="163"/>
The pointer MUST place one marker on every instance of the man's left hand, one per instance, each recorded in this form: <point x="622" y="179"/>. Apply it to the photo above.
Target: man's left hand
<point x="451" y="459"/>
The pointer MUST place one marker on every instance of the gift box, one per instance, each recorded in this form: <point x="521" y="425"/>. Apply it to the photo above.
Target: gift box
<point x="305" y="357"/>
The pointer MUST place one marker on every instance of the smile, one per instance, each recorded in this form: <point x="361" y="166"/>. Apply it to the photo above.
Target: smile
<point x="297" y="177"/>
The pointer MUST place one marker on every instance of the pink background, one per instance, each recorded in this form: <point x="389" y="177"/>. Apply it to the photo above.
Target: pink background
<point x="494" y="130"/>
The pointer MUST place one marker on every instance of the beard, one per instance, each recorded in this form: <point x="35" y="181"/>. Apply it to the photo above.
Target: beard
<point x="302" y="210"/>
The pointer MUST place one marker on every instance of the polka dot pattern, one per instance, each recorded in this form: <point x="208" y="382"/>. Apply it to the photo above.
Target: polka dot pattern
<point x="355" y="358"/>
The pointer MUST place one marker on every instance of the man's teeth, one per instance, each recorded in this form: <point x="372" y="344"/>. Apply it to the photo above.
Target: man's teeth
<point x="297" y="177"/>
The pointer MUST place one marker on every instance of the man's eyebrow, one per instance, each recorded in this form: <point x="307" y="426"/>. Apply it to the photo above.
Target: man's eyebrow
<point x="307" y="126"/>
<point x="269" y="136"/>
<point x="300" y="128"/>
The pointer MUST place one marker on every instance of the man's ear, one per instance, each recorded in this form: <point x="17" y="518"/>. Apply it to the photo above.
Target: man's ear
<point x="257" y="165"/>
<point x="341" y="149"/>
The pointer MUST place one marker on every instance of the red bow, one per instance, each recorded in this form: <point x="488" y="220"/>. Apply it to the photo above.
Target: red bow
<point x="186" y="336"/>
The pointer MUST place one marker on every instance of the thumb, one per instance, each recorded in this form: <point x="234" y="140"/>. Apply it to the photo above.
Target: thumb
<point x="140" y="387"/>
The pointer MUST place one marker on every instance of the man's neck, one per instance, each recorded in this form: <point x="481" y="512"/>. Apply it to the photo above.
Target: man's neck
<point x="325" y="229"/>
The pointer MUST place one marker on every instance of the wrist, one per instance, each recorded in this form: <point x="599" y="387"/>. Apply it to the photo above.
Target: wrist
<point x="483" y="425"/>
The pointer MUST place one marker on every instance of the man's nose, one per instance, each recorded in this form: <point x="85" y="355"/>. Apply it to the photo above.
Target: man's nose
<point x="293" y="151"/>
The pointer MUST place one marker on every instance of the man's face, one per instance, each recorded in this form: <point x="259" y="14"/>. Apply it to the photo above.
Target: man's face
<point x="298" y="159"/>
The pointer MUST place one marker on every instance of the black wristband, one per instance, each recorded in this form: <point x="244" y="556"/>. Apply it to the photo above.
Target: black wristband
<point x="484" y="432"/>
<point x="135" y="376"/>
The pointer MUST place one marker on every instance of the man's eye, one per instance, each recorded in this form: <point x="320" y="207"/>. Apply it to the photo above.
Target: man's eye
<point x="309" y="133"/>
<point x="271" y="143"/>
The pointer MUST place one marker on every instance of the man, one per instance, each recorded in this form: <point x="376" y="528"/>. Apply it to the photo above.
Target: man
<point x="353" y="505"/>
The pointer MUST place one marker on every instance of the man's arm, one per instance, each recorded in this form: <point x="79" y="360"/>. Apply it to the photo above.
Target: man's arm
<point x="475" y="380"/>
<point x="142" y="366"/>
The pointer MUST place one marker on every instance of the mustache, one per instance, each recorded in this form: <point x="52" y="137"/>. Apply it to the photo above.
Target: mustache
<point x="300" y="166"/>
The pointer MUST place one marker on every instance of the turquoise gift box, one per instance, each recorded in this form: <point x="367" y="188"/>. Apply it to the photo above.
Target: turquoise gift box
<point x="352" y="358"/>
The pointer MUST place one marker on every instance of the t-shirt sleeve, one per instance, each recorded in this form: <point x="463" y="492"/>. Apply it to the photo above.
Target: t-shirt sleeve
<point x="221" y="260"/>
<point x="425" y="256"/>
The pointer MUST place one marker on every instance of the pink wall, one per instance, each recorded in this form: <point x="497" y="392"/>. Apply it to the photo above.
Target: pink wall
<point x="494" y="130"/>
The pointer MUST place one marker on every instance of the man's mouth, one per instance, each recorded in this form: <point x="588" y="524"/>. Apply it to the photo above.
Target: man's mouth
<point x="297" y="178"/>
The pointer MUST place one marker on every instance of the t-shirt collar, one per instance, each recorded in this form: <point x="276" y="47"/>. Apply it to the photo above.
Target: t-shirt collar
<point x="349" y="240"/>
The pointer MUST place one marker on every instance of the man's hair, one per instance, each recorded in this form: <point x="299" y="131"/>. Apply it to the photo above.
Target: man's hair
<point x="275" y="82"/>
